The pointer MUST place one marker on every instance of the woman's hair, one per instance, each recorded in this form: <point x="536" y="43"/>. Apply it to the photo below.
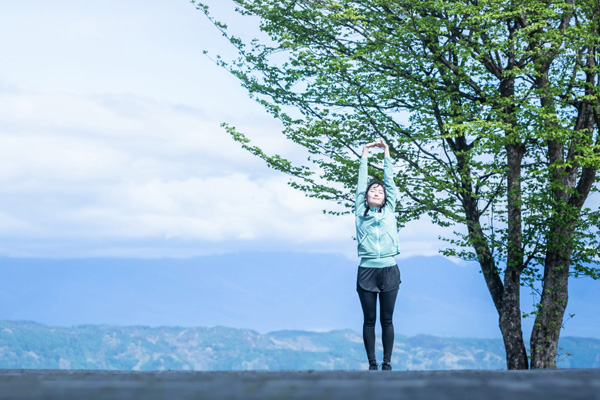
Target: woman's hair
<point x="373" y="183"/>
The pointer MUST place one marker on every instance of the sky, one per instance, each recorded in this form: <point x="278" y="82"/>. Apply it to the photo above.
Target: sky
<point x="111" y="145"/>
<point x="111" y="149"/>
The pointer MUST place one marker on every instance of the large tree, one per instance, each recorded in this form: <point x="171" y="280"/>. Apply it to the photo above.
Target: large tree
<point x="490" y="108"/>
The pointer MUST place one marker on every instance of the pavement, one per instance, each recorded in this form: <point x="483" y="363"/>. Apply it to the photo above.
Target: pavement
<point x="566" y="384"/>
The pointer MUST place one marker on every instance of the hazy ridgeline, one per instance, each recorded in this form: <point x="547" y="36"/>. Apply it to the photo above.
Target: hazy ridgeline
<point x="31" y="345"/>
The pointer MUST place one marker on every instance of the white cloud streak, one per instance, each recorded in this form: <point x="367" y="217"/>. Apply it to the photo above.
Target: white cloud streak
<point x="116" y="167"/>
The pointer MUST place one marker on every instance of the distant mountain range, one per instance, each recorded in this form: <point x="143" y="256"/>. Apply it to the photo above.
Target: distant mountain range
<point x="26" y="344"/>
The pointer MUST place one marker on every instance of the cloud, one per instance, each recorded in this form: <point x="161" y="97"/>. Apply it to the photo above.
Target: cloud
<point x="119" y="171"/>
<point x="116" y="167"/>
<point x="115" y="146"/>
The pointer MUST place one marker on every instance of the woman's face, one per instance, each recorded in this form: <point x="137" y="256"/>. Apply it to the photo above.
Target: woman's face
<point x="375" y="196"/>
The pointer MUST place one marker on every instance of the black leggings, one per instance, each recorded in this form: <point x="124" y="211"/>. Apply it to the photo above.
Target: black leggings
<point x="387" y="301"/>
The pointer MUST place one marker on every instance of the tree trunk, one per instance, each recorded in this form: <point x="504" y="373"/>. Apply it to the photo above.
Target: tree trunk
<point x="551" y="309"/>
<point x="548" y="322"/>
<point x="510" y="323"/>
<point x="510" y="312"/>
<point x="505" y="297"/>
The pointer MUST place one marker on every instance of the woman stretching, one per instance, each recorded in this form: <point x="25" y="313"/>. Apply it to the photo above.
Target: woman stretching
<point x="377" y="238"/>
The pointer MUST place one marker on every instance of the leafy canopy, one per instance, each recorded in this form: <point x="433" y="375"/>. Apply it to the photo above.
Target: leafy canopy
<point x="456" y="88"/>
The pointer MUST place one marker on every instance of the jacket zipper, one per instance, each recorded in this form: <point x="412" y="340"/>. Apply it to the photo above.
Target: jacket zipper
<point x="377" y="232"/>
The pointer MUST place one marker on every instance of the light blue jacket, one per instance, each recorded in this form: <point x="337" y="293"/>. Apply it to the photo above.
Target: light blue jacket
<point x="377" y="232"/>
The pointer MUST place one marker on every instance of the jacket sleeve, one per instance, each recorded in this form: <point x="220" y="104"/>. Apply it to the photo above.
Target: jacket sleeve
<point x="391" y="191"/>
<point x="361" y="187"/>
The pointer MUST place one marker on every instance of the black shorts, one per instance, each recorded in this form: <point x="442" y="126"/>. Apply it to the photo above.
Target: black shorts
<point x="378" y="279"/>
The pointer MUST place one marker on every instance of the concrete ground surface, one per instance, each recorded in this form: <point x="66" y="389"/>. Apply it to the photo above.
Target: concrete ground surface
<point x="582" y="384"/>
